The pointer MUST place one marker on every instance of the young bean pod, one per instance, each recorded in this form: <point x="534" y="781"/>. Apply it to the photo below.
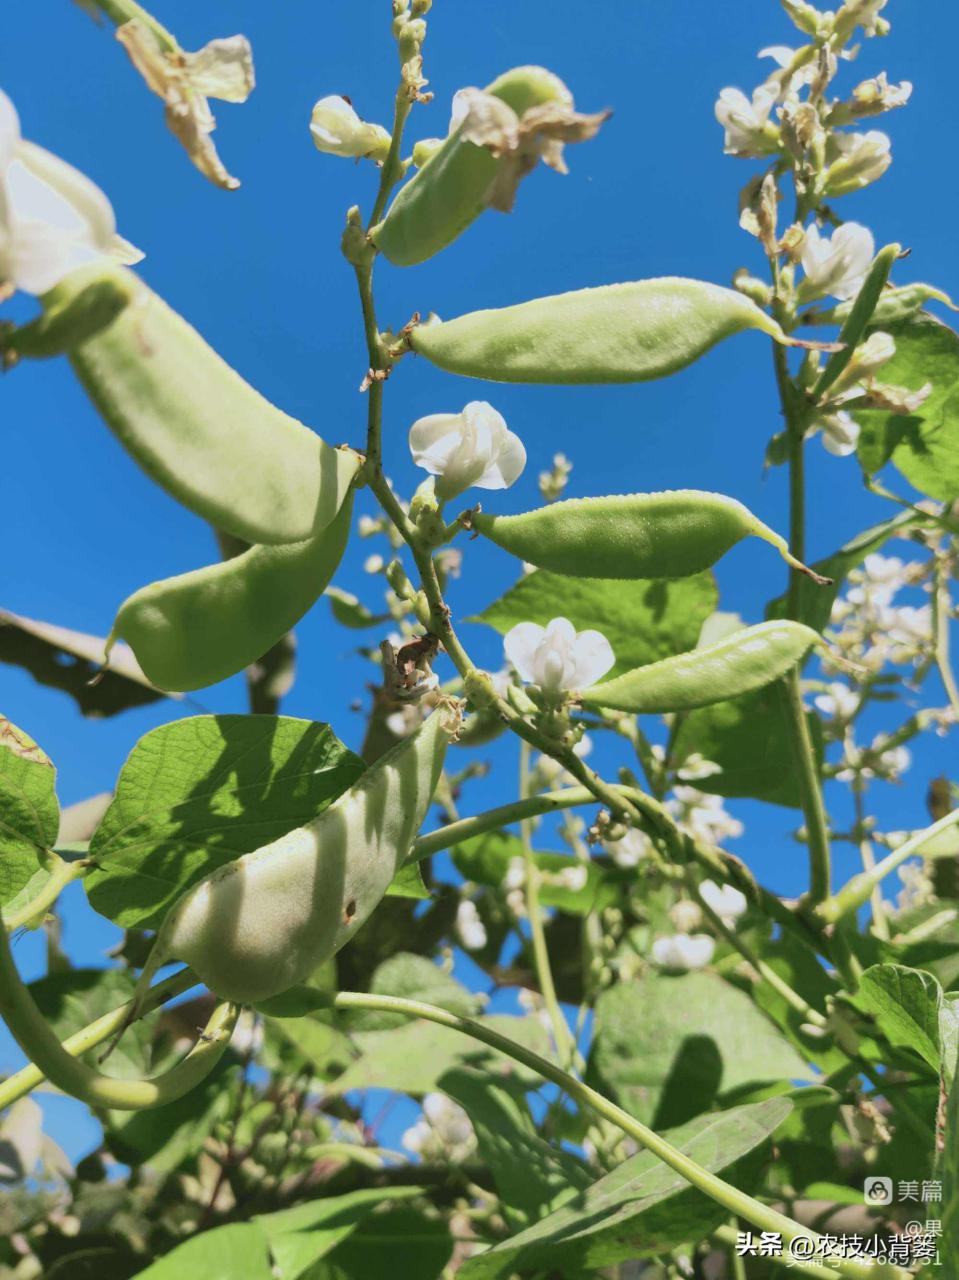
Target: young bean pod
<point x="190" y="421"/>
<point x="741" y="663"/>
<point x="452" y="189"/>
<point x="257" y="926"/>
<point x="614" y="333"/>
<point x="641" y="535"/>
<point x="198" y="628"/>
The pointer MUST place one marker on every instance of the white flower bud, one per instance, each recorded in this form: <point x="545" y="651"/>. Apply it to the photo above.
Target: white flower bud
<point x="339" y="131"/>
<point x="686" y="915"/>
<point x="556" y="657"/>
<point x="727" y="901"/>
<point x="860" y="158"/>
<point x="464" y="450"/>
<point x="469" y="926"/>
<point x="684" y="951"/>
<point x="746" y="123"/>
<point x="630" y="850"/>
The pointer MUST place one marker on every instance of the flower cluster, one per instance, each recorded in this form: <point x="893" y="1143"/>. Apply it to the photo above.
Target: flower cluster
<point x="869" y="629"/>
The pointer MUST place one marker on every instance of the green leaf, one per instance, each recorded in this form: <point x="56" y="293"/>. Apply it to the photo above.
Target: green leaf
<point x="409" y="883"/>
<point x="413" y="977"/>
<point x="412" y="1059"/>
<point x="924" y="445"/>
<point x="315" y="1042"/>
<point x="29" y="811"/>
<point x="73" y="998"/>
<point x="749" y="739"/>
<point x="239" y="1251"/>
<point x="948" y="1170"/>
<point x="200" y="792"/>
<point x="69" y="660"/>
<point x="300" y="1236"/>
<point x="639" y="1209"/>
<point x="668" y="1047"/>
<point x="485" y="859"/>
<point x="815" y="602"/>
<point x="532" y="1177"/>
<point x="907" y="1005"/>
<point x="643" y="621"/>
<point x="400" y="1242"/>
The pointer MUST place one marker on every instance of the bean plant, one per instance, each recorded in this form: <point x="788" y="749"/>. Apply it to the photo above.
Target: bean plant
<point x="699" y="1077"/>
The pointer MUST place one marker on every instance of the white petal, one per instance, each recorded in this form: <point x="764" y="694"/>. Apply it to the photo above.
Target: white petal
<point x="520" y="644"/>
<point x="593" y="656"/>
<point x="74" y="188"/>
<point x="9" y="130"/>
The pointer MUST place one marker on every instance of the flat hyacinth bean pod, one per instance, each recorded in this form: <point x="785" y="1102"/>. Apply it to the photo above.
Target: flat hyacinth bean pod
<point x="672" y="534"/>
<point x="198" y="628"/>
<point x="450" y="191"/>
<point x="613" y="333"/>
<point x="742" y="662"/>
<point x="264" y="922"/>
<point x="185" y="416"/>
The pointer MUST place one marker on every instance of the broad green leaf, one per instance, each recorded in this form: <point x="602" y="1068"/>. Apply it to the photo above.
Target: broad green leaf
<point x="815" y="602"/>
<point x="948" y="1170"/>
<point x="314" y="1042"/>
<point x="749" y="739"/>
<point x="668" y="1047"/>
<point x="412" y="1059"/>
<point x="907" y="1005"/>
<point x="485" y="859"/>
<point x="639" y="1209"/>
<point x="924" y="445"/>
<point x="236" y="1252"/>
<point x="29" y="812"/>
<point x="200" y="792"/>
<point x="413" y="977"/>
<point x="532" y="1177"/>
<point x="300" y="1236"/>
<point x="398" y="1243"/>
<point x="643" y="621"/>
<point x="69" y="660"/>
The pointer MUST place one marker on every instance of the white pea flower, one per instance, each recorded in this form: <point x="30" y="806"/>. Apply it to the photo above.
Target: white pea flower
<point x="469" y="926"/>
<point x="630" y="850"/>
<point x="877" y="581"/>
<point x="728" y="903"/>
<point x="703" y="816"/>
<point x="686" y="915"/>
<point x="840" y="432"/>
<point x="443" y="1129"/>
<point x="863" y="13"/>
<point x="558" y="657"/>
<point x="515" y="876"/>
<point x="472" y="449"/>
<point x="841" y="702"/>
<point x="856" y="160"/>
<point x="908" y="626"/>
<point x="894" y="762"/>
<point x="876" y="95"/>
<point x="696" y="766"/>
<point x="374" y="564"/>
<point x="836" y="264"/>
<point x="684" y="951"/>
<point x="53" y="219"/>
<point x="573" y="878"/>
<point x="338" y="131"/>
<point x="746" y="122"/>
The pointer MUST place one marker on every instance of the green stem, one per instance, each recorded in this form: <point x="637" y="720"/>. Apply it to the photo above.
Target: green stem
<point x="856" y="893"/>
<point x="880" y="922"/>
<point x="32" y="1033"/>
<point x="120" y="11"/>
<point x="62" y="873"/>
<point x="737" y="1202"/>
<point x="941" y="603"/>
<point x="810" y="791"/>
<point x="88" y="1037"/>
<point x="565" y="1044"/>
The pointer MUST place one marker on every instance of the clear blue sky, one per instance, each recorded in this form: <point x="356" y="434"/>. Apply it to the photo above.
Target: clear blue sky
<point x="260" y="274"/>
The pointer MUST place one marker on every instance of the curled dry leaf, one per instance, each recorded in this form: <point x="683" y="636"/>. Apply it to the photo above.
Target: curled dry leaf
<point x="522" y="141"/>
<point x="221" y="69"/>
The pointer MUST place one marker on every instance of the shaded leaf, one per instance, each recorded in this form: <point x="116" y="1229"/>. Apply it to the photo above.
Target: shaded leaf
<point x="413" y="977"/>
<point x="398" y="1242"/>
<point x="200" y="792"/>
<point x="907" y="1005"/>
<point x="643" y="621"/>
<point x="485" y="859"/>
<point x="71" y="999"/>
<point x="639" y="1209"/>
<point x="668" y="1047"/>
<point x="29" y="811"/>
<point x="235" y="1252"/>
<point x="69" y="660"/>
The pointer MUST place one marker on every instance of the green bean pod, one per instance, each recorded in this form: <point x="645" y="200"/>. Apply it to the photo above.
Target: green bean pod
<point x="260" y="924"/>
<point x="450" y="191"/>
<point x="741" y="663"/>
<point x="641" y="535"/>
<point x="190" y="421"/>
<point x="614" y="333"/>
<point x="198" y="628"/>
